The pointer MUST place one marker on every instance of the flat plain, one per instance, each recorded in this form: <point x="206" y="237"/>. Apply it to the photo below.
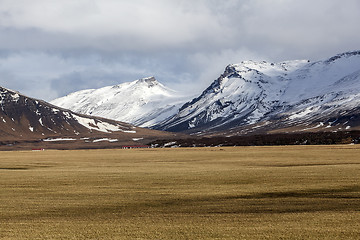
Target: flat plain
<point x="282" y="192"/>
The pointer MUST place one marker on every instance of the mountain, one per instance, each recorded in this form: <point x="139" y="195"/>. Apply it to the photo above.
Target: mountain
<point x="144" y="102"/>
<point x="263" y="97"/>
<point x="26" y="122"/>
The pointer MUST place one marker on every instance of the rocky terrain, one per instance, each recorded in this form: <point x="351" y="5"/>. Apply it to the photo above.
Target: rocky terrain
<point x="30" y="123"/>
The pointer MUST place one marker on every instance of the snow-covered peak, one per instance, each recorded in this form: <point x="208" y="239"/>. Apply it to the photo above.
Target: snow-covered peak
<point x="251" y="91"/>
<point x="323" y="77"/>
<point x="142" y="102"/>
<point x="269" y="68"/>
<point x="143" y="82"/>
<point x="149" y="81"/>
<point x="145" y="87"/>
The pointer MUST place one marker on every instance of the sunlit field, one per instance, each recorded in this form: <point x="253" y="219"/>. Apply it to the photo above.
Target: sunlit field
<point x="292" y="192"/>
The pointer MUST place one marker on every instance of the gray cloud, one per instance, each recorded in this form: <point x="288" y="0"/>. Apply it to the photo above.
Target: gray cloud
<point x="51" y="48"/>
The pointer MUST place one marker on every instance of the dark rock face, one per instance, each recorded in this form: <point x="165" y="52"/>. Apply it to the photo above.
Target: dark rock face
<point x="23" y="117"/>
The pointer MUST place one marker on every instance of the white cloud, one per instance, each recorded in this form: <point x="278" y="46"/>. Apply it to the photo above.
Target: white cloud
<point x="118" y="25"/>
<point x="160" y="25"/>
<point x="52" y="47"/>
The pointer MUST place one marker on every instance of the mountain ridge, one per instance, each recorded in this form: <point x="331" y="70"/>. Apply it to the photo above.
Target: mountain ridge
<point x="271" y="91"/>
<point x="143" y="102"/>
<point x="251" y="96"/>
<point x="27" y="122"/>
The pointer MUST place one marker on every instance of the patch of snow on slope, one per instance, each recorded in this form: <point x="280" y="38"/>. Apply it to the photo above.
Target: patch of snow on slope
<point x="100" y="126"/>
<point x="317" y="126"/>
<point x="105" y="139"/>
<point x="58" y="139"/>
<point x="304" y="112"/>
<point x="169" y="144"/>
<point x="137" y="139"/>
<point x="15" y="97"/>
<point x="67" y="115"/>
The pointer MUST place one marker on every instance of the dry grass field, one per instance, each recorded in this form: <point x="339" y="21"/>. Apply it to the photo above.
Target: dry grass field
<point x="292" y="192"/>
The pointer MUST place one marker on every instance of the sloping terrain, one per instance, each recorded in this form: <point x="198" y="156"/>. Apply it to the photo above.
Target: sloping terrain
<point x="261" y="97"/>
<point x="35" y="123"/>
<point x="143" y="102"/>
<point x="248" y="98"/>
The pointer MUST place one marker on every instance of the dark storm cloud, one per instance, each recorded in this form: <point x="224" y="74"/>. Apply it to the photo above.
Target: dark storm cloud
<point x="51" y="48"/>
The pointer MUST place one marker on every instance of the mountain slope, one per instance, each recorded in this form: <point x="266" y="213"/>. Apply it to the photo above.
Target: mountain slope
<point x="261" y="97"/>
<point x="244" y="93"/>
<point x="24" y="119"/>
<point x="144" y="102"/>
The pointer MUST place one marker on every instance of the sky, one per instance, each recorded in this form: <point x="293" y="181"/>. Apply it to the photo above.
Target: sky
<point x="50" y="48"/>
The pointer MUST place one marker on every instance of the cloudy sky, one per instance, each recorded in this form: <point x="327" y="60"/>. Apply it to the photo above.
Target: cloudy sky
<point x="49" y="48"/>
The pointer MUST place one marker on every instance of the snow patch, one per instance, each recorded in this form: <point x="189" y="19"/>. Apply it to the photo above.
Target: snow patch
<point x="169" y="144"/>
<point x="16" y="97"/>
<point x="304" y="112"/>
<point x="317" y="126"/>
<point x="67" y="115"/>
<point x="137" y="139"/>
<point x="99" y="125"/>
<point x="58" y="139"/>
<point x="105" y="139"/>
<point x="127" y="131"/>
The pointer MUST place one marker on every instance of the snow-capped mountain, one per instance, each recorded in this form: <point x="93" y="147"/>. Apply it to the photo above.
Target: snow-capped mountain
<point x="298" y="95"/>
<point x="144" y="102"/>
<point x="249" y="97"/>
<point x="24" y="119"/>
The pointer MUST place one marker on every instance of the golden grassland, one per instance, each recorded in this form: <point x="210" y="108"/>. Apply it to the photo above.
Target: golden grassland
<point x="283" y="192"/>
